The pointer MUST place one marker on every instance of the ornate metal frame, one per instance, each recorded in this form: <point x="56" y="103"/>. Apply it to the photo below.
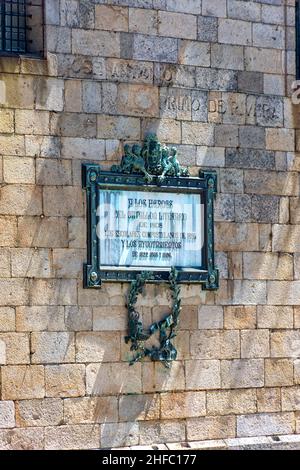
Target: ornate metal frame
<point x="95" y="179"/>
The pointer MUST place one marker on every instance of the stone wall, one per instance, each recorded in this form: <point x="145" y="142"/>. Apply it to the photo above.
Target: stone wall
<point x="213" y="78"/>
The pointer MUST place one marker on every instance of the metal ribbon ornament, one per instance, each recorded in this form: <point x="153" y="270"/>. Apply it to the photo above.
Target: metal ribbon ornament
<point x="166" y="352"/>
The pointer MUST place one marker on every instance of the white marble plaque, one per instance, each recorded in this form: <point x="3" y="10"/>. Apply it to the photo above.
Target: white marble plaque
<point x="150" y="229"/>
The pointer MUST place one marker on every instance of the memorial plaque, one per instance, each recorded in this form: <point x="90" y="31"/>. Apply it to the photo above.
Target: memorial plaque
<point x="140" y="219"/>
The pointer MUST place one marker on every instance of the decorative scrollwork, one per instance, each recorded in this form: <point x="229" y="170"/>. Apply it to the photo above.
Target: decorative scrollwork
<point x="167" y="327"/>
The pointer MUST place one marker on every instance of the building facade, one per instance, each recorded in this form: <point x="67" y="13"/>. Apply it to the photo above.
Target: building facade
<point x="214" y="78"/>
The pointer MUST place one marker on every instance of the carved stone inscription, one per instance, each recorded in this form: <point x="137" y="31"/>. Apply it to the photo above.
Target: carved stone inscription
<point x="150" y="229"/>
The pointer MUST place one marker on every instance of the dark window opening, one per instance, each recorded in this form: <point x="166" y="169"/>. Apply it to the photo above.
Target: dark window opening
<point x="21" y="27"/>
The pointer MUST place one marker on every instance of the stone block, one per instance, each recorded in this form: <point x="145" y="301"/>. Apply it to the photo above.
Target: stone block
<point x="42" y="232"/>
<point x="214" y="8"/>
<point x="214" y="427"/>
<point x="67" y="262"/>
<point x="65" y="125"/>
<point x="143" y="21"/>
<point x="274" y="85"/>
<point x="197" y="133"/>
<point x="19" y="91"/>
<point x="161" y="431"/>
<point x="47" y="412"/>
<point x="265" y="424"/>
<point x="6" y="121"/>
<point x="252" y="137"/>
<point x="111" y="18"/>
<point x="52" y="347"/>
<point x="265" y="209"/>
<point x="87" y="410"/>
<point x="264" y="60"/>
<point x="129" y="70"/>
<point x="224" y="208"/>
<point x="280" y="183"/>
<point x="119" y="434"/>
<point x="278" y="372"/>
<point x="97" y="347"/>
<point x="207" y="29"/>
<point x="255" y="343"/>
<point x="29" y="262"/>
<point x="22" y="382"/>
<point x="8" y="231"/>
<point x="210" y="317"/>
<point x="273" y="13"/>
<point x="215" y="344"/>
<point x="138" y="100"/>
<point x="42" y="146"/>
<point x="226" y="135"/>
<point x="268" y="266"/>
<point x="285" y="343"/>
<point x="274" y="317"/>
<point x="189" y="6"/>
<point x="286" y="238"/>
<point x="250" y="82"/>
<point x="235" y="32"/>
<point x="53" y="172"/>
<point x="17" y="199"/>
<point x="210" y="157"/>
<point x="5" y="270"/>
<point x="236" y="237"/>
<point x="297" y="372"/>
<point x="296" y="317"/>
<point x="156" y="378"/>
<point x="104" y="379"/>
<point x="139" y="407"/>
<point x="242" y="373"/>
<point x="80" y="148"/>
<point x="78" y="318"/>
<point x="7" y="319"/>
<point x="109" y="318"/>
<point x="240" y="317"/>
<point x="52" y="13"/>
<point x="7" y="414"/>
<point x="73" y="96"/>
<point x="49" y="94"/>
<point x="294" y="211"/>
<point x="194" y="53"/>
<point x="252" y="159"/>
<point x="280" y="139"/>
<point x="91" y="97"/>
<point x="125" y="128"/>
<point x="268" y="400"/>
<point x="225" y="402"/>
<point x="19" y="170"/>
<point x="214" y="79"/>
<point x="14" y="292"/>
<point x="16" y="348"/>
<point x="231" y="181"/>
<point x="82" y="436"/>
<point x="62" y="201"/>
<point x="242" y="206"/>
<point x="290" y="399"/>
<point x="202" y="374"/>
<point x="95" y="43"/>
<point x="177" y="25"/>
<point x="67" y="380"/>
<point x="32" y="122"/>
<point x="53" y="292"/>
<point x="149" y="48"/>
<point x="40" y="318"/>
<point x="241" y="10"/>
<point x="271" y="36"/>
<point x="22" y="439"/>
<point x="225" y="56"/>
<point x="270" y="114"/>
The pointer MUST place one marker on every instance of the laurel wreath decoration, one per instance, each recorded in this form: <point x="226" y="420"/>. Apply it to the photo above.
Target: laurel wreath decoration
<point x="167" y="327"/>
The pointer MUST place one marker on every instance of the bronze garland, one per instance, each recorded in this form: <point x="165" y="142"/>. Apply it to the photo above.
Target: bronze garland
<point x="167" y="327"/>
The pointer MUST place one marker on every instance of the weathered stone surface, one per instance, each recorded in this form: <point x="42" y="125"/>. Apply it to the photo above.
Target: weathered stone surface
<point x="250" y="82"/>
<point x="274" y="317"/>
<point x="268" y="266"/>
<point x="64" y="201"/>
<point x="111" y="18"/>
<point x="53" y="292"/>
<point x="155" y="378"/>
<point x="252" y="137"/>
<point x="278" y="372"/>
<point x="42" y="232"/>
<point x="265" y="424"/>
<point x="81" y="437"/>
<point x="202" y="374"/>
<point x="67" y="380"/>
<point x="87" y="410"/>
<point x="16" y="348"/>
<point x="17" y="199"/>
<point x="268" y="400"/>
<point x="235" y="32"/>
<point x="285" y="343"/>
<point x="8" y="231"/>
<point x="47" y="412"/>
<point x="27" y="262"/>
<point x="285" y="238"/>
<point x="268" y="36"/>
<point x="177" y="25"/>
<point x="214" y="8"/>
<point x="242" y="373"/>
<point x="214" y="79"/>
<point x="250" y="159"/>
<point x="138" y="100"/>
<point x="96" y="43"/>
<point x="22" y="382"/>
<point x="119" y="434"/>
<point x="110" y="127"/>
<point x="207" y="28"/>
<point x="216" y="427"/>
<point x="210" y="317"/>
<point x="225" y="56"/>
<point x="263" y="60"/>
<point x="22" y="439"/>
<point x="255" y="344"/>
<point x="14" y="292"/>
<point x="102" y="379"/>
<point x="161" y="431"/>
<point x="241" y="10"/>
<point x="240" y="317"/>
<point x="236" y="237"/>
<point x="140" y="407"/>
<point x="7" y="414"/>
<point x="97" y="347"/>
<point x="7" y="319"/>
<point x="225" y="402"/>
<point x="194" y="53"/>
<point x="52" y="347"/>
<point x="215" y="344"/>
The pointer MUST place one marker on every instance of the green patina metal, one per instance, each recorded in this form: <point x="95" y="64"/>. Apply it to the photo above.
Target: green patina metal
<point x="167" y="328"/>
